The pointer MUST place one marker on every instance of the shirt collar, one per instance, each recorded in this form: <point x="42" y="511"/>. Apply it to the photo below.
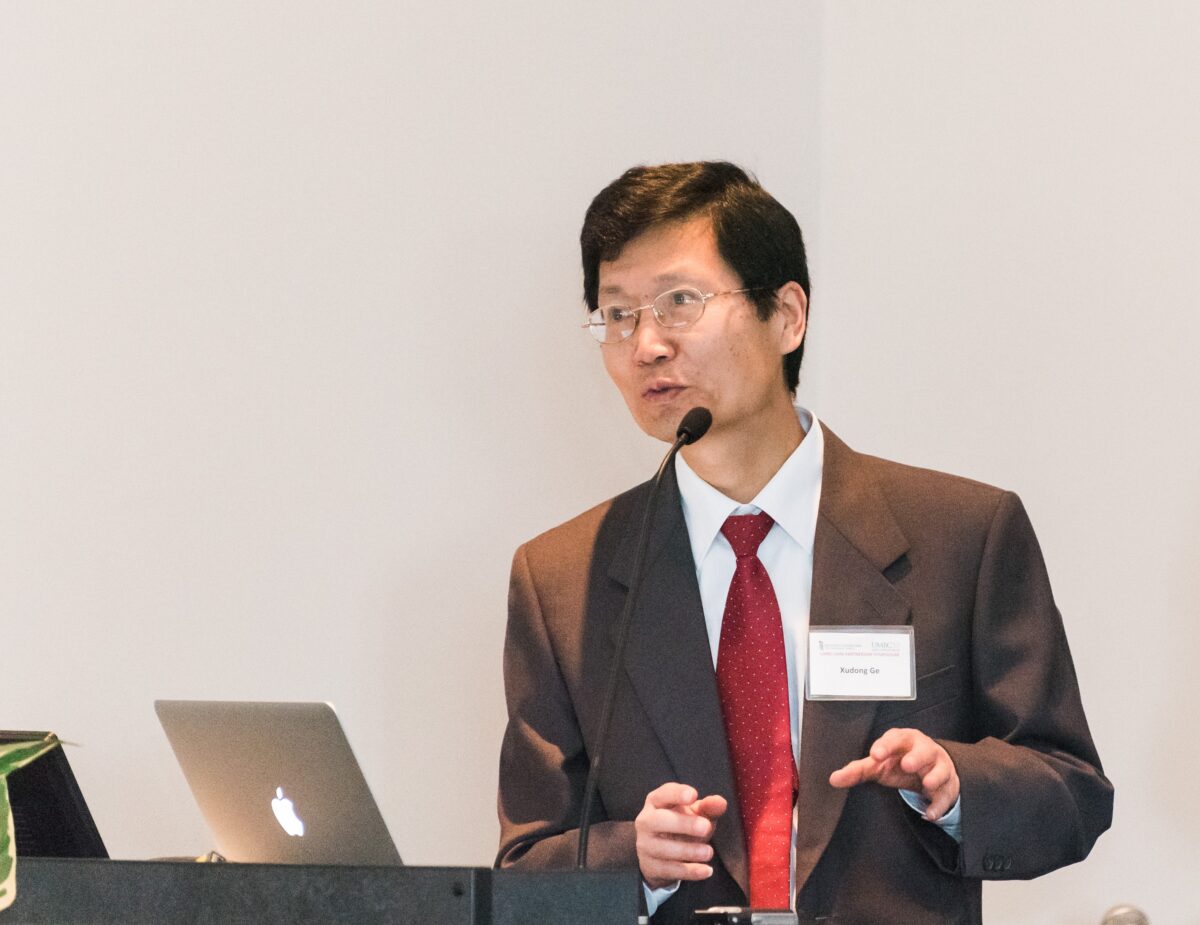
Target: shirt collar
<point x="791" y="497"/>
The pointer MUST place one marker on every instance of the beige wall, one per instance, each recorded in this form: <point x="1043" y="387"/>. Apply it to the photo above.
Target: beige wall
<point x="291" y="359"/>
<point x="1006" y="275"/>
<point x="288" y="362"/>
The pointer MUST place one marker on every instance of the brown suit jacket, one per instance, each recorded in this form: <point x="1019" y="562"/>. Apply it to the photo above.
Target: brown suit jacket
<point x="894" y="545"/>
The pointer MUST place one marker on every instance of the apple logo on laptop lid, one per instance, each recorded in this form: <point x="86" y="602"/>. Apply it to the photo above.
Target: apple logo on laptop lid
<point x="285" y="813"/>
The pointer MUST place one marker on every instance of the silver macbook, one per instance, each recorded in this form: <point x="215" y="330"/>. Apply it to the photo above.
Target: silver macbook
<point x="277" y="782"/>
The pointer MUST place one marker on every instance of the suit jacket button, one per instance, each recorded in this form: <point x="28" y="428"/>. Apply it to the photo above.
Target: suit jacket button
<point x="1007" y="863"/>
<point x="987" y="862"/>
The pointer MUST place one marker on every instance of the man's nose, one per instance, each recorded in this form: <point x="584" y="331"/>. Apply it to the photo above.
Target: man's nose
<point x="651" y="341"/>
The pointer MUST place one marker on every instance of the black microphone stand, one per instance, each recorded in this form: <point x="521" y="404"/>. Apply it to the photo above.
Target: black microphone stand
<point x="693" y="426"/>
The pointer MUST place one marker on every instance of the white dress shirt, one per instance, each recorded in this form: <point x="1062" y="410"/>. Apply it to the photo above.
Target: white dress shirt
<point x="792" y="498"/>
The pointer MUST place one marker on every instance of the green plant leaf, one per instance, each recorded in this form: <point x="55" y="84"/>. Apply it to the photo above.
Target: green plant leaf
<point x="8" y="860"/>
<point x="14" y="755"/>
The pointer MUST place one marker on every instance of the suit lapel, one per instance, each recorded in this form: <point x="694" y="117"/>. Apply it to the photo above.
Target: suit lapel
<point x="669" y="665"/>
<point x="856" y="540"/>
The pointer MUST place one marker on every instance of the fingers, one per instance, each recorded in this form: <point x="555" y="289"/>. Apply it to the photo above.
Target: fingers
<point x="936" y="776"/>
<point x="673" y="830"/>
<point x="906" y="759"/>
<point x="940" y="786"/>
<point x="671" y="794"/>
<point x="664" y="860"/>
<point x="676" y="821"/>
<point x="711" y="807"/>
<point x="944" y="798"/>
<point x="854" y="773"/>
<point x="930" y="768"/>
<point x="863" y="770"/>
<point x="897" y="743"/>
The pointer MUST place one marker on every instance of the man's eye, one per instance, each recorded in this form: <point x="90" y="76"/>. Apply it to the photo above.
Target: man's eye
<point x="617" y="314"/>
<point x="684" y="297"/>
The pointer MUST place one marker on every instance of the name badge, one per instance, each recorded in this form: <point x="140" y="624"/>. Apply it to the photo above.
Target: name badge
<point x="861" y="663"/>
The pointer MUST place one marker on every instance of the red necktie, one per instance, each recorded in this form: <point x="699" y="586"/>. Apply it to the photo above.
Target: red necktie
<point x="752" y="680"/>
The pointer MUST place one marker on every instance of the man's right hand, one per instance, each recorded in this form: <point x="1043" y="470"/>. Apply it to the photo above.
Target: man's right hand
<point x="673" y="833"/>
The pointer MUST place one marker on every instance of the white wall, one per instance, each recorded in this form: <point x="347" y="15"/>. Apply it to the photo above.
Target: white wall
<point x="290" y="358"/>
<point x="1006" y="288"/>
<point x="288" y="363"/>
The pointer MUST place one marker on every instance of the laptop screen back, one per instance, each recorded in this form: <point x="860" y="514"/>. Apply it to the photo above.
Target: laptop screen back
<point x="277" y="782"/>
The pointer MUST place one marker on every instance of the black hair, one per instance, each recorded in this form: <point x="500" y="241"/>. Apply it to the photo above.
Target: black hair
<point x="755" y="235"/>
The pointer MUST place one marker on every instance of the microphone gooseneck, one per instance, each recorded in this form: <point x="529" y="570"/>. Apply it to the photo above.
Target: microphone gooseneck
<point x="695" y="424"/>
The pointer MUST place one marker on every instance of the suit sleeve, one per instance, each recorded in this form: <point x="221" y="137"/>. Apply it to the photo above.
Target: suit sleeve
<point x="543" y="759"/>
<point x="1034" y="795"/>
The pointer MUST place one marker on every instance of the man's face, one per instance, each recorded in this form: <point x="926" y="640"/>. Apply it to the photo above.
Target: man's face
<point x="729" y="361"/>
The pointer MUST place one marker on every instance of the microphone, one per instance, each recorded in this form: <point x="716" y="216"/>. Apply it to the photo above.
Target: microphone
<point x="695" y="424"/>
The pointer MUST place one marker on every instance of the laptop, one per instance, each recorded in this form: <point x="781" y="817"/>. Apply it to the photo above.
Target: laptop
<point x="50" y="817"/>
<point x="277" y="783"/>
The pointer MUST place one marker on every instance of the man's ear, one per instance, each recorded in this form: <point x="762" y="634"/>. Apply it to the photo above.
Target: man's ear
<point x="791" y="307"/>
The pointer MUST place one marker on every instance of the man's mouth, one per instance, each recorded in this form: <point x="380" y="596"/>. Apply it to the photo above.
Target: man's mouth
<point x="660" y="390"/>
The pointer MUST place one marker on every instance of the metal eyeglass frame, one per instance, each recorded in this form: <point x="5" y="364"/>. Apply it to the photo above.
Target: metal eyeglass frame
<point x="591" y="326"/>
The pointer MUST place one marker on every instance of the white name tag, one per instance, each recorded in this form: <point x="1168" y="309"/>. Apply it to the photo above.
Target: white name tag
<point x="861" y="663"/>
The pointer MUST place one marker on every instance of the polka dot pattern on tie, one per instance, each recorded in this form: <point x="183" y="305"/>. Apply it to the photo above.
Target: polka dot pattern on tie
<point x="752" y="682"/>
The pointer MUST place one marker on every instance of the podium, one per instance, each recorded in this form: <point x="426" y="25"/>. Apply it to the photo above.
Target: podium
<point x="94" y="892"/>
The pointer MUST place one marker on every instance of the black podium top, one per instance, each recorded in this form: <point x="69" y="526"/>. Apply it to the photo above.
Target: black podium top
<point x="52" y="890"/>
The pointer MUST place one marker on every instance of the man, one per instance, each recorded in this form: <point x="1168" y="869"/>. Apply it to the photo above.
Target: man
<point x="722" y="782"/>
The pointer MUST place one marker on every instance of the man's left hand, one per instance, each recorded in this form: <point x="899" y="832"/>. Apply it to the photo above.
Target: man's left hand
<point x="906" y="759"/>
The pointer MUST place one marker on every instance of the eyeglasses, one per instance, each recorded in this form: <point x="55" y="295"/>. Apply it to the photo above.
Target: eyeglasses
<point x="676" y="309"/>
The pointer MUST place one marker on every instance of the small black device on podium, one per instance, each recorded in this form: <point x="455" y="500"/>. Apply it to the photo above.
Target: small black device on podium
<point x="743" y="915"/>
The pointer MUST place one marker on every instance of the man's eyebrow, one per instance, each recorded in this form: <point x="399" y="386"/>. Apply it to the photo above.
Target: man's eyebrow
<point x="666" y="280"/>
<point x="671" y="279"/>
